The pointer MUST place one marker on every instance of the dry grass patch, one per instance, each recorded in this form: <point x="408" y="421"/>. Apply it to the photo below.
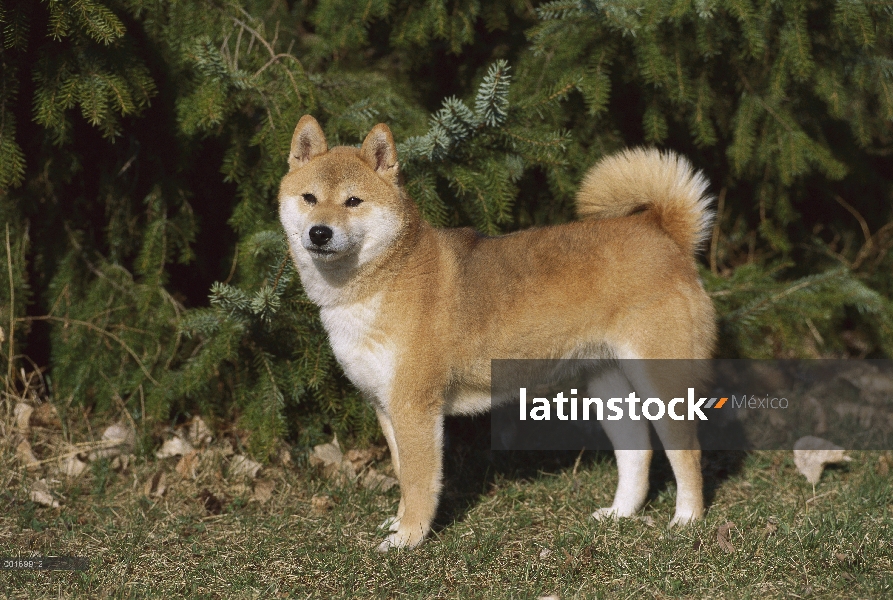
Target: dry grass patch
<point x="203" y="523"/>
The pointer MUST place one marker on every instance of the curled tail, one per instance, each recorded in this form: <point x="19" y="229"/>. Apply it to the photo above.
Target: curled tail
<point x="663" y="182"/>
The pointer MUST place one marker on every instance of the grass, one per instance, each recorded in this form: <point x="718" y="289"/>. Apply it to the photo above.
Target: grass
<point x="512" y="525"/>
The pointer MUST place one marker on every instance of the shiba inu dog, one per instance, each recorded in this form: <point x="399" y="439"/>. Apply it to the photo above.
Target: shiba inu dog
<point x="414" y="314"/>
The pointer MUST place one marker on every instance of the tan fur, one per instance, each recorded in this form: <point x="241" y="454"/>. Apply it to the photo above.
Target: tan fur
<point x="415" y="314"/>
<point x="664" y="182"/>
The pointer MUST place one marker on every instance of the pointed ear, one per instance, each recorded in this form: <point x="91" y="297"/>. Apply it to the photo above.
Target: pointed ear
<point x="380" y="151"/>
<point x="308" y="141"/>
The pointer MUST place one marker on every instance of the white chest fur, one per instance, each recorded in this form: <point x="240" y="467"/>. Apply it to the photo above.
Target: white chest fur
<point x="362" y="350"/>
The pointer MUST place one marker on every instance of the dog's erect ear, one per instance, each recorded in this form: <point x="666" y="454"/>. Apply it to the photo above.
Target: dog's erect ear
<point x="307" y="142"/>
<point x="380" y="151"/>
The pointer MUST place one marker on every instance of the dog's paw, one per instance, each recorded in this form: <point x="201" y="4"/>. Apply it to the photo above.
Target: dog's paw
<point x="399" y="539"/>
<point x="687" y="517"/>
<point x="390" y="524"/>
<point x="611" y="512"/>
<point x="384" y="546"/>
<point x="604" y="514"/>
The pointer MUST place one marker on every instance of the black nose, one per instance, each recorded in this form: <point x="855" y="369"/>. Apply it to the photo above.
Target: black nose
<point x="320" y="234"/>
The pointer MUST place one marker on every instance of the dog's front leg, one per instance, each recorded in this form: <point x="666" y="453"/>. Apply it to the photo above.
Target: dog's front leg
<point x="418" y="441"/>
<point x="387" y="427"/>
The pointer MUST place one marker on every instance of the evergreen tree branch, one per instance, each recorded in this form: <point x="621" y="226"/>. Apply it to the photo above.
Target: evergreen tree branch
<point x="99" y="330"/>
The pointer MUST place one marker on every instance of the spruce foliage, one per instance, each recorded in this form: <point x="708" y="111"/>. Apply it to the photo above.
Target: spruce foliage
<point x="142" y="143"/>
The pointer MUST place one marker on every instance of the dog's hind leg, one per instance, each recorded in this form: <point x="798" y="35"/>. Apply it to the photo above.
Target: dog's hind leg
<point x="632" y="449"/>
<point x="668" y="379"/>
<point x="686" y="463"/>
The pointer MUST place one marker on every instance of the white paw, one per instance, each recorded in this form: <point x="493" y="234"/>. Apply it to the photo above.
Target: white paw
<point x="611" y="512"/>
<point x="395" y="540"/>
<point x="390" y="524"/>
<point x="685" y="517"/>
<point x="405" y="537"/>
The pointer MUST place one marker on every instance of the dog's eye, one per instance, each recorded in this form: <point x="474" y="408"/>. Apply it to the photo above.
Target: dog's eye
<point x="353" y="201"/>
<point x="309" y="199"/>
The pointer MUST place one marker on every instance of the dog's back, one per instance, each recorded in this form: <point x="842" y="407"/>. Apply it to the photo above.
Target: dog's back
<point x="595" y="282"/>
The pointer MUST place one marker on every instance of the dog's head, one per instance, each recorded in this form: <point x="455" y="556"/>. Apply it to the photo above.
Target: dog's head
<point x="341" y="206"/>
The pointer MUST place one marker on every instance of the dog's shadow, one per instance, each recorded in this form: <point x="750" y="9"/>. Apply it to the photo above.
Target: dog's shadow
<point x="471" y="467"/>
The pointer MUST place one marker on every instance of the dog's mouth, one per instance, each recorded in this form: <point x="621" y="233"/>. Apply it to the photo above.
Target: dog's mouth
<point x="325" y="254"/>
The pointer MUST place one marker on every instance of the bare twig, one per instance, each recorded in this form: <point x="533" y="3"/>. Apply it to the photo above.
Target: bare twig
<point x="782" y="294"/>
<point x="282" y="266"/>
<point x="577" y="463"/>
<point x="871" y="244"/>
<point x="82" y="447"/>
<point x="273" y="54"/>
<point x="99" y="330"/>
<point x="232" y="270"/>
<point x="865" y="231"/>
<point x="123" y="406"/>
<point x="10" y="366"/>
<point x="766" y="106"/>
<point x="236" y="53"/>
<point x="714" y="243"/>
<point x="93" y="268"/>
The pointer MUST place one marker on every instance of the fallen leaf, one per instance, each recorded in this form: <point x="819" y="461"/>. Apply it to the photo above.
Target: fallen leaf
<point x="856" y="340"/>
<point x="122" y="461"/>
<point x="321" y="503"/>
<point x="359" y="458"/>
<point x="199" y="433"/>
<point x="374" y="480"/>
<point x="22" y="414"/>
<point x="115" y="433"/>
<point x="188" y="465"/>
<point x="40" y="493"/>
<point x="240" y="490"/>
<point x="242" y="466"/>
<point x="211" y="502"/>
<point x="646" y="519"/>
<point x="26" y="455"/>
<point x="263" y="490"/>
<point x="156" y="485"/>
<point x="46" y="415"/>
<point x="872" y="381"/>
<point x="176" y="446"/>
<point x="821" y="419"/>
<point x="863" y="413"/>
<point x="840" y="556"/>
<point x="285" y="455"/>
<point x="723" y="536"/>
<point x="777" y="420"/>
<point x="811" y="454"/>
<point x="327" y="454"/>
<point x="771" y="527"/>
<point x="226" y="448"/>
<point x="72" y="466"/>
<point x="568" y="559"/>
<point x="883" y="465"/>
<point x="333" y="463"/>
